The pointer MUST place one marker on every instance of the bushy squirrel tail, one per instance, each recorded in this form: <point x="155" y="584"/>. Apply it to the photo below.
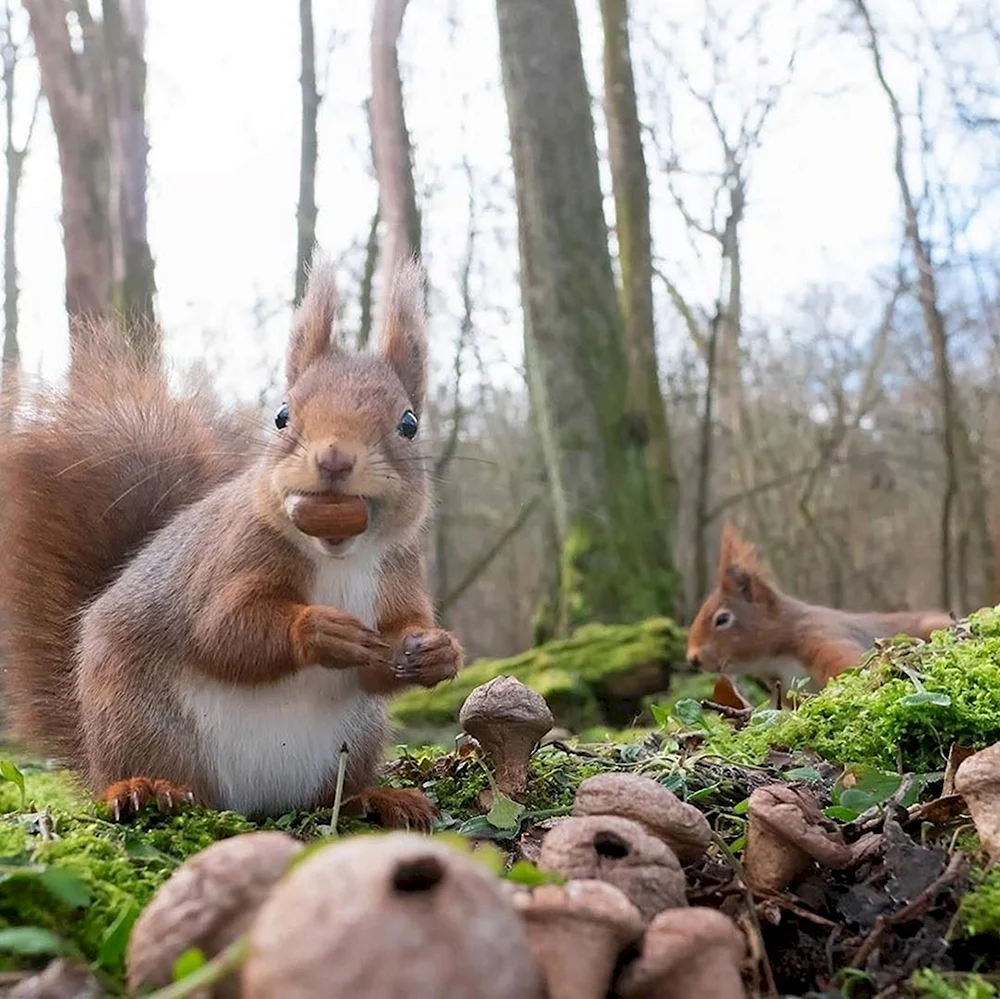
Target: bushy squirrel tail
<point x="86" y="475"/>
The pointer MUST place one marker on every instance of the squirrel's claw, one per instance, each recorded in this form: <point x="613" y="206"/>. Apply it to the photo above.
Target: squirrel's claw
<point x="428" y="657"/>
<point x="127" y="798"/>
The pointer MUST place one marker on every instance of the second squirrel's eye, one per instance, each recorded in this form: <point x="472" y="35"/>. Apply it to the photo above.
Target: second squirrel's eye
<point x="723" y="619"/>
<point x="408" y="425"/>
<point x="281" y="417"/>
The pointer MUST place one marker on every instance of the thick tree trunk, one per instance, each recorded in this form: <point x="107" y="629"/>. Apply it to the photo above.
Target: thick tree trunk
<point x="614" y="562"/>
<point x="97" y="100"/>
<point x="83" y="161"/>
<point x="631" y="190"/>
<point x="399" y="219"/>
<point x="306" y="215"/>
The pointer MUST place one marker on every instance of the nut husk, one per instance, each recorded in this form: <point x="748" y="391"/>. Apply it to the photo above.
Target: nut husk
<point x="693" y="953"/>
<point x="681" y="826"/>
<point x="977" y="780"/>
<point x="206" y="903"/>
<point x="577" y="932"/>
<point x="395" y="916"/>
<point x="620" y="852"/>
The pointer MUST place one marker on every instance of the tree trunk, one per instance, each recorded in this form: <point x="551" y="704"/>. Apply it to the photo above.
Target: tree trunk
<point x="306" y="215"/>
<point x="631" y="191"/>
<point x="14" y="157"/>
<point x="83" y="162"/>
<point x="399" y="218"/>
<point x="97" y="100"/>
<point x="963" y="484"/>
<point x="614" y="562"/>
<point x="134" y="288"/>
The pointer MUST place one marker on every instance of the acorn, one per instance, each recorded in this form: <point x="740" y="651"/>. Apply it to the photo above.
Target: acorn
<point x="331" y="516"/>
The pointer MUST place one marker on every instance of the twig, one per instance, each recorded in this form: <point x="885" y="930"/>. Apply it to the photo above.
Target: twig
<point x="213" y="971"/>
<point x="787" y="904"/>
<point x="338" y="793"/>
<point x="954" y="870"/>
<point x="741" y="715"/>
<point x="772" y="989"/>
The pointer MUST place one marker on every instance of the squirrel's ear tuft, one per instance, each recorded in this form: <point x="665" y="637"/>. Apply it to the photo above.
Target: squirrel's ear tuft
<point x="734" y="552"/>
<point x="312" y="324"/>
<point x="403" y="343"/>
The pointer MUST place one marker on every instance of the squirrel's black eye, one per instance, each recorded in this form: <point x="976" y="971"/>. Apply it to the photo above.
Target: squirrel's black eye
<point x="723" y="619"/>
<point x="408" y="424"/>
<point x="281" y="417"/>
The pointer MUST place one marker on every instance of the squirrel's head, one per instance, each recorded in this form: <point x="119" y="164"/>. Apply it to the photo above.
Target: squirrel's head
<point x="350" y="422"/>
<point x="738" y="620"/>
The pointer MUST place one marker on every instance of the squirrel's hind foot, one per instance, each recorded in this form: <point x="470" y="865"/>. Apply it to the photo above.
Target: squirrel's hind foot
<point x="394" y="808"/>
<point x="127" y="798"/>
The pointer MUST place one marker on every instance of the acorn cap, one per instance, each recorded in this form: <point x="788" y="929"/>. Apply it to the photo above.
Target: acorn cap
<point x="620" y="852"/>
<point x="386" y="917"/>
<point x="681" y="826"/>
<point x="577" y="932"/>
<point x="206" y="903"/>
<point x="786" y="831"/>
<point x="694" y="952"/>
<point x="507" y="719"/>
<point x="978" y="781"/>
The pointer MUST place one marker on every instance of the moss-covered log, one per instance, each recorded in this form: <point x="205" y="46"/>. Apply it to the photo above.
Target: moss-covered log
<point x="601" y="673"/>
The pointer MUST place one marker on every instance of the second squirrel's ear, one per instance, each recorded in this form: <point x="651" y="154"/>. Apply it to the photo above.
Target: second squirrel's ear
<point x="734" y="551"/>
<point x="312" y="323"/>
<point x="403" y="343"/>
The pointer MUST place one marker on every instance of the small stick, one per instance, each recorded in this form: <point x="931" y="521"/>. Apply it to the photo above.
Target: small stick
<point x="923" y="901"/>
<point x="741" y="715"/>
<point x="225" y="962"/>
<point x="772" y="989"/>
<point x="338" y="793"/>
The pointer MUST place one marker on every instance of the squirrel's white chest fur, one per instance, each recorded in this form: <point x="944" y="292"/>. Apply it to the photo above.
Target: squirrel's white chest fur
<point x="274" y="748"/>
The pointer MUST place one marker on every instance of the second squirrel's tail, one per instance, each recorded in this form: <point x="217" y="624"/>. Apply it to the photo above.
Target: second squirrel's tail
<point x="85" y="478"/>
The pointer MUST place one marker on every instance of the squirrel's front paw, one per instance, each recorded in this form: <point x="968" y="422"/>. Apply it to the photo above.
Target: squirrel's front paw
<point x="329" y="637"/>
<point x="428" y="657"/>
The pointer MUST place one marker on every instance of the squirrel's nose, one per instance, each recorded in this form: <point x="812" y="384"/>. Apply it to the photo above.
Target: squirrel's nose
<point x="694" y="661"/>
<point x="335" y="463"/>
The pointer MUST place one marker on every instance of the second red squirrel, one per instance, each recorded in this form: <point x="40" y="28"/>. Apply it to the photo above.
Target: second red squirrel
<point x="170" y="634"/>
<point x="747" y="625"/>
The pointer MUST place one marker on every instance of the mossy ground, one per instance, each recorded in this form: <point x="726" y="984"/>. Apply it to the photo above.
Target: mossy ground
<point x="571" y="674"/>
<point x="869" y="718"/>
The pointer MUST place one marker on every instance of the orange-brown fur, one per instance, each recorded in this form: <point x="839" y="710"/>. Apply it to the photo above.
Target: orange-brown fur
<point x="747" y="625"/>
<point x="146" y="542"/>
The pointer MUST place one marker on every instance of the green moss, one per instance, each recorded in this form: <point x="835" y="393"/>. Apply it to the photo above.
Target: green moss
<point x="570" y="673"/>
<point x="870" y="715"/>
<point x="930" y="985"/>
<point x="980" y="909"/>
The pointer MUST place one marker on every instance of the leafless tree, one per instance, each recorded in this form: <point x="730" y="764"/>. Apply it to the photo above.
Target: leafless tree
<point x="15" y="153"/>
<point x="306" y="214"/>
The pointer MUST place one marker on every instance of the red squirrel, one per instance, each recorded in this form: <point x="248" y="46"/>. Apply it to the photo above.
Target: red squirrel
<point x="747" y="625"/>
<point x="170" y="634"/>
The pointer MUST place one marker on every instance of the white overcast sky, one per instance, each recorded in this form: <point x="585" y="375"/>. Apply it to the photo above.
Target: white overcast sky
<point x="223" y="112"/>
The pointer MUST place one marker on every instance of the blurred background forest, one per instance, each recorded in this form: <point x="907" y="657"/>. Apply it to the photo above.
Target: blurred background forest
<point x="687" y="261"/>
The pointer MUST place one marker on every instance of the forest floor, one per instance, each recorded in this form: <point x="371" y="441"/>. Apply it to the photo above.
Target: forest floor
<point x="920" y="916"/>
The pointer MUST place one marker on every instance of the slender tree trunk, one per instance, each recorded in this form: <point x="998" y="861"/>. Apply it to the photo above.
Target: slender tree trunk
<point x="963" y="482"/>
<point x="306" y="215"/>
<point x="133" y="284"/>
<point x="613" y="548"/>
<point x="706" y="440"/>
<point x="14" y="157"/>
<point x="631" y="190"/>
<point x="399" y="218"/>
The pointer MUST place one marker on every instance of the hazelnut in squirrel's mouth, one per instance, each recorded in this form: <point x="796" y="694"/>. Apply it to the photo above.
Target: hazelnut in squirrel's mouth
<point x="336" y="520"/>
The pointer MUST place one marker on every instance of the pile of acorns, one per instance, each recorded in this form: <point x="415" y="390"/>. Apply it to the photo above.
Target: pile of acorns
<point x="402" y="915"/>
